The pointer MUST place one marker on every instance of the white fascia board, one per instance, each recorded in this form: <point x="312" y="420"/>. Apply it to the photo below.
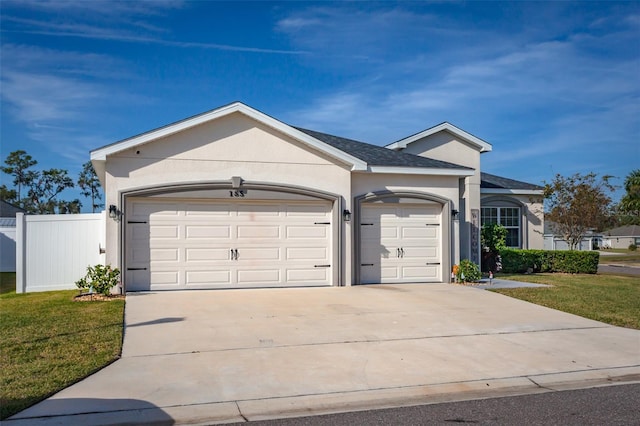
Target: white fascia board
<point x="101" y="154"/>
<point x="511" y="191"/>
<point x="468" y="137"/>
<point x="421" y="171"/>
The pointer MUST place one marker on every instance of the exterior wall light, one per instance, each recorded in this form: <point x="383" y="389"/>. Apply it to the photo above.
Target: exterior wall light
<point x="114" y="213"/>
<point x="454" y="214"/>
<point x="346" y="215"/>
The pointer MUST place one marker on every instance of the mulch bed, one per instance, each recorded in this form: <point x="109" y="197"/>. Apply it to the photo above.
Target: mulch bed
<point x="96" y="297"/>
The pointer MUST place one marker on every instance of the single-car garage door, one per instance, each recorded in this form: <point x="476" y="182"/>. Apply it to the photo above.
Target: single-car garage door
<point x="190" y="244"/>
<point x="400" y="243"/>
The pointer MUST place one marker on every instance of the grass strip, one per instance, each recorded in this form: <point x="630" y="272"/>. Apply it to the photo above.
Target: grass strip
<point x="48" y="342"/>
<point x="607" y="298"/>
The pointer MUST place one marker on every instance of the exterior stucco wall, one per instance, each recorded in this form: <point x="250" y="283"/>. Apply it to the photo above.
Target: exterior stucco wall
<point x="234" y="145"/>
<point x="532" y="212"/>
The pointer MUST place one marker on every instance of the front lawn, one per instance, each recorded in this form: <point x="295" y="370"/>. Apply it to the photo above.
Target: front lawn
<point x="48" y="342"/>
<point x="608" y="298"/>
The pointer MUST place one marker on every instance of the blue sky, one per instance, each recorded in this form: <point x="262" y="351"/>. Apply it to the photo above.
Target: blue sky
<point x="553" y="86"/>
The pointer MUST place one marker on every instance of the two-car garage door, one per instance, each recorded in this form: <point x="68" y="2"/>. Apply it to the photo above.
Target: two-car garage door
<point x="182" y="244"/>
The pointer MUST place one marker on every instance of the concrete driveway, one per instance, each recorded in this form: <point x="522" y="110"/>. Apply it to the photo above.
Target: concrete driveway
<point x="236" y="355"/>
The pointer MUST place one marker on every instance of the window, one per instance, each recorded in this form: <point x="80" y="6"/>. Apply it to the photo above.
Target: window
<point x="509" y="217"/>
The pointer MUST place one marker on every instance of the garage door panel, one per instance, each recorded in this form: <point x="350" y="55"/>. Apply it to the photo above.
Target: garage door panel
<point x="203" y="211"/>
<point x="258" y="231"/>
<point x="259" y="253"/>
<point x="203" y="231"/>
<point x="164" y="231"/>
<point x="428" y="254"/>
<point x="207" y="254"/>
<point x="261" y="276"/>
<point x="308" y="275"/>
<point x="164" y="255"/>
<point x="420" y="272"/>
<point x="307" y="232"/>
<point x="208" y="277"/>
<point x="164" y="277"/>
<point x="307" y="253"/>
<point x="419" y="232"/>
<point x="307" y="210"/>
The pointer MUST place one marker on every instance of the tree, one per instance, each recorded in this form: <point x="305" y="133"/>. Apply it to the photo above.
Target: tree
<point x="493" y="238"/>
<point x="630" y="202"/>
<point x="90" y="185"/>
<point x="43" y="193"/>
<point x="577" y="204"/>
<point x="17" y="165"/>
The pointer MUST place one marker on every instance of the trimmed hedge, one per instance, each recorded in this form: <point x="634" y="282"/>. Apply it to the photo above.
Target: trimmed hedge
<point x="569" y="261"/>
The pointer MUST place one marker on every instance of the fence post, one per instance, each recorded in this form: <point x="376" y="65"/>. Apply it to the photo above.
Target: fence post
<point x="21" y="259"/>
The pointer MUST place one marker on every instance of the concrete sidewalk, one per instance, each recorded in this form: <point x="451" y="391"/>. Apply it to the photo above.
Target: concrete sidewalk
<point x="236" y="355"/>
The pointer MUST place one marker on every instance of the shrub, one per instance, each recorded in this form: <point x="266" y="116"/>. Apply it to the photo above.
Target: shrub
<point x="570" y="261"/>
<point x="633" y="247"/>
<point x="100" y="278"/>
<point x="468" y="272"/>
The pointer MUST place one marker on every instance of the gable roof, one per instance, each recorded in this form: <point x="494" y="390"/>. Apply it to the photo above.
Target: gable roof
<point x="383" y="157"/>
<point x="624" y="231"/>
<point x="9" y="210"/>
<point x="492" y="184"/>
<point x="99" y="156"/>
<point x="474" y="141"/>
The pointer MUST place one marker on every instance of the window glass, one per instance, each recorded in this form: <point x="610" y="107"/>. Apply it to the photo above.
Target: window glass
<point x="509" y="217"/>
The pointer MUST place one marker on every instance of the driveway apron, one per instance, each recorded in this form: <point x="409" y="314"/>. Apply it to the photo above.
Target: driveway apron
<point x="237" y="355"/>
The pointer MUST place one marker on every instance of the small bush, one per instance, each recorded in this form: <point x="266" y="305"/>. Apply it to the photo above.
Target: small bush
<point x="633" y="247"/>
<point x="569" y="261"/>
<point x="468" y="272"/>
<point x="100" y="278"/>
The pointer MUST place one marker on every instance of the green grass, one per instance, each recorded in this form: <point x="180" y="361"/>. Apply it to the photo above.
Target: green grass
<point x="621" y="256"/>
<point x="48" y="342"/>
<point x="7" y="282"/>
<point x="607" y="298"/>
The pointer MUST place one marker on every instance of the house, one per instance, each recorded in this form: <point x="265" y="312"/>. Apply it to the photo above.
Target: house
<point x="8" y="236"/>
<point x="552" y="241"/>
<point x="622" y="237"/>
<point x="234" y="198"/>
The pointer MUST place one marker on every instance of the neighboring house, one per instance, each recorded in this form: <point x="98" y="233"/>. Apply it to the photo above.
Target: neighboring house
<point x="552" y="241"/>
<point x="234" y="198"/>
<point x="8" y="236"/>
<point x="622" y="237"/>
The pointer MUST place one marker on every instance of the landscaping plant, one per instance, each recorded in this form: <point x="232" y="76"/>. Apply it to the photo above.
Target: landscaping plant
<point x="468" y="272"/>
<point x="99" y="278"/>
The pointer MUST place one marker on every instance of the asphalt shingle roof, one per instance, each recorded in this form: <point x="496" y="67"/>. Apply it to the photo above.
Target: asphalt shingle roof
<point x="624" y="231"/>
<point x="375" y="155"/>
<point x="498" y="182"/>
<point x="9" y="210"/>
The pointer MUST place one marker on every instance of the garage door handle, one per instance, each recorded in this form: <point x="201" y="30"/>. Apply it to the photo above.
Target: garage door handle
<point x="136" y="269"/>
<point x="321" y="266"/>
<point x="234" y="254"/>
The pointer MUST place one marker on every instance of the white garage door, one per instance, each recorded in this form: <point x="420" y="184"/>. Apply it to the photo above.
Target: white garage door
<point x="400" y="243"/>
<point x="205" y="244"/>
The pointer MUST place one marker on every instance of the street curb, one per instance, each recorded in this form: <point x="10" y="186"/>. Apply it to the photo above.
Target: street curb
<point x="313" y="405"/>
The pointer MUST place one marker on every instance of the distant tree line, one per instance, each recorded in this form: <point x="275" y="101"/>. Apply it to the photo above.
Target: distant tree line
<point x="40" y="191"/>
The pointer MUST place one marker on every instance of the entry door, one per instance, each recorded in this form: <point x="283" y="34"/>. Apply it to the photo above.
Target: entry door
<point x="400" y="243"/>
<point x="191" y="244"/>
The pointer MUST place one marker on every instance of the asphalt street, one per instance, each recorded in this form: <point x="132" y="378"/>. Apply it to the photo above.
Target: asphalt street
<point x="608" y="405"/>
<point x="618" y="269"/>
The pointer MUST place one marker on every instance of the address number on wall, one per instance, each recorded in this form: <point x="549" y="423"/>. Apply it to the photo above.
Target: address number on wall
<point x="238" y="193"/>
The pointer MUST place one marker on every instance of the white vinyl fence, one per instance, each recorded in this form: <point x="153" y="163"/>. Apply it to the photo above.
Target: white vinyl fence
<point x="53" y="251"/>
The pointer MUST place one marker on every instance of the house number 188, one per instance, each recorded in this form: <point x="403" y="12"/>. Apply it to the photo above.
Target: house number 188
<point x="236" y="193"/>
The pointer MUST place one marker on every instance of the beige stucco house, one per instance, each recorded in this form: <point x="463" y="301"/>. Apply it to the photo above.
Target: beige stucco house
<point x="234" y="198"/>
